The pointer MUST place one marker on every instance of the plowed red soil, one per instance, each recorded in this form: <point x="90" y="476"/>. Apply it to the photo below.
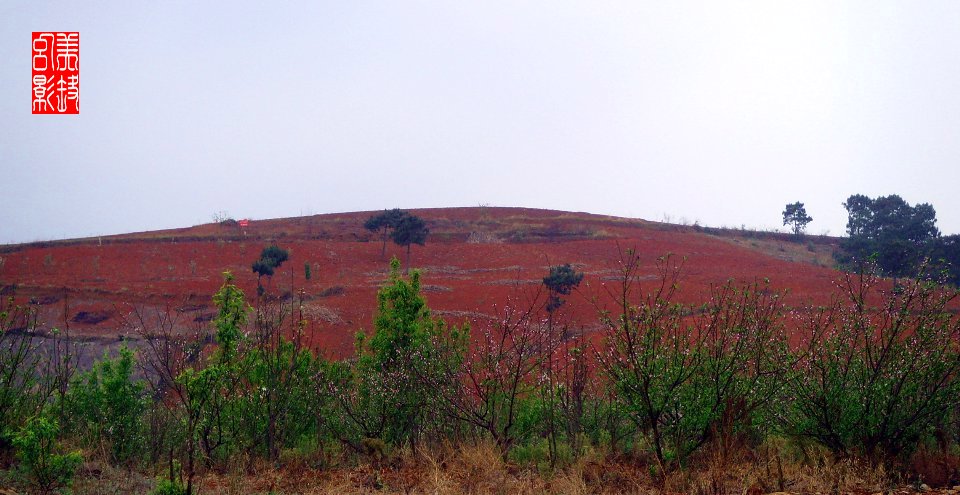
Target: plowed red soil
<point x="473" y="261"/>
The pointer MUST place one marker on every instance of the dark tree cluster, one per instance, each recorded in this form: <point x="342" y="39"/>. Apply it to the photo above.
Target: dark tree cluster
<point x="384" y="223"/>
<point x="403" y="228"/>
<point x="900" y="238"/>
<point x="945" y="255"/>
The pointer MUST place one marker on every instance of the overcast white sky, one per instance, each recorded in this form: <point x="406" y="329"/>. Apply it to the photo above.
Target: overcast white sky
<point x="720" y="112"/>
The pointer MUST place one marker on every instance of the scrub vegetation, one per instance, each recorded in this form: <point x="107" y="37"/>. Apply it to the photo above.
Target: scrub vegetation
<point x="602" y="381"/>
<point x="711" y="396"/>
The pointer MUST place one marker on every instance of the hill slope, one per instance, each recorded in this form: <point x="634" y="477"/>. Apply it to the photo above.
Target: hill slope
<point x="473" y="261"/>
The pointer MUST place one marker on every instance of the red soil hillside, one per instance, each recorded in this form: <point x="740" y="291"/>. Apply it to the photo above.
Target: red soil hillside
<point x="472" y="261"/>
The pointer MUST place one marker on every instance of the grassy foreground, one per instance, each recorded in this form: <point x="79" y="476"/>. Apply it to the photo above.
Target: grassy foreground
<point x="776" y="466"/>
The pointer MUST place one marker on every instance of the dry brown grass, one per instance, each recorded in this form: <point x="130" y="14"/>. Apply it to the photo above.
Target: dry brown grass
<point x="802" y="251"/>
<point x="779" y="466"/>
<point x="776" y="465"/>
<point x="100" y="478"/>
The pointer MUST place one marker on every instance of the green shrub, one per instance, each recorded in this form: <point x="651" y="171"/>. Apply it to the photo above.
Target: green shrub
<point x="391" y="390"/>
<point x="167" y="487"/>
<point x="536" y="454"/>
<point x="689" y="381"/>
<point x="108" y="405"/>
<point x="878" y="370"/>
<point x="21" y="367"/>
<point x="531" y="453"/>
<point x="38" y="452"/>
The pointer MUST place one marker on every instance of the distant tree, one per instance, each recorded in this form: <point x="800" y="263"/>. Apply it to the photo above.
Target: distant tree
<point x="276" y="254"/>
<point x="262" y="268"/>
<point x="899" y="237"/>
<point x="410" y="230"/>
<point x="945" y="258"/>
<point x="270" y="259"/>
<point x="894" y="217"/>
<point x="385" y="222"/>
<point x="561" y="280"/>
<point x="796" y="216"/>
<point x="223" y="218"/>
<point x="859" y="214"/>
<point x="890" y="217"/>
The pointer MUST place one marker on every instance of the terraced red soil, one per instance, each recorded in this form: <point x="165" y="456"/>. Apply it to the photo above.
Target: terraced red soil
<point x="472" y="262"/>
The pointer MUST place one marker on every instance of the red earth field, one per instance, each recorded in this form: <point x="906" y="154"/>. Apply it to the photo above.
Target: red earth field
<point x="475" y="258"/>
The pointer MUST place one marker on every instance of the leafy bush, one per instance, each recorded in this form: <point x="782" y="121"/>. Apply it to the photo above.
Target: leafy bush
<point x="686" y="382"/>
<point x="38" y="452"/>
<point x="168" y="487"/>
<point x="108" y="405"/>
<point x="879" y="368"/>
<point x="490" y="384"/>
<point x="21" y="363"/>
<point x="390" y="391"/>
<point x="536" y="453"/>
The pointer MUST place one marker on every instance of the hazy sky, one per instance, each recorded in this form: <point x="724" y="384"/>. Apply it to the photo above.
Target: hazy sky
<point x="720" y="112"/>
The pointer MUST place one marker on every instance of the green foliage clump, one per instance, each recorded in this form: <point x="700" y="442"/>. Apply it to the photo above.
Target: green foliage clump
<point x="537" y="453"/>
<point x="282" y="375"/>
<point x="231" y="317"/>
<point x="390" y="390"/>
<point x="206" y="389"/>
<point x="107" y="405"/>
<point x="22" y="382"/>
<point x="945" y="257"/>
<point x="165" y="486"/>
<point x="887" y="230"/>
<point x="41" y="460"/>
<point x="875" y="380"/>
<point x="686" y="383"/>
<point x="560" y="281"/>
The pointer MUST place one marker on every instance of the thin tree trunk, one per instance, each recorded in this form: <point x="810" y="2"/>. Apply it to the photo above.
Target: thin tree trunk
<point x="190" y="454"/>
<point x="383" y="251"/>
